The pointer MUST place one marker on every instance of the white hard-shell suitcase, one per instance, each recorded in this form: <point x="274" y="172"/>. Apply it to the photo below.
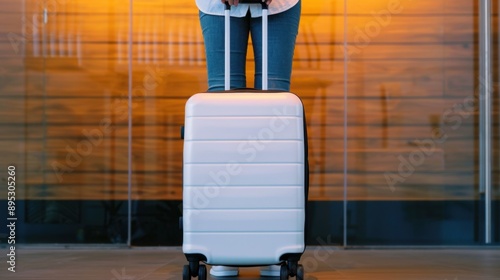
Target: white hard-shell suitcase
<point x="245" y="179"/>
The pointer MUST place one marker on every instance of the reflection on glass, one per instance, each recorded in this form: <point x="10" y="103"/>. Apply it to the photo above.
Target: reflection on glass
<point x="495" y="131"/>
<point x="412" y="124"/>
<point x="411" y="118"/>
<point x="71" y="132"/>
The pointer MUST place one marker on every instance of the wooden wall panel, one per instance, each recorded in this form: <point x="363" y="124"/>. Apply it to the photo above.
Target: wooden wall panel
<point x="403" y="78"/>
<point x="157" y="155"/>
<point x="325" y="186"/>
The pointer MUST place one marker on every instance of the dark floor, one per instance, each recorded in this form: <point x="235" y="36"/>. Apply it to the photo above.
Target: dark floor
<point x="319" y="263"/>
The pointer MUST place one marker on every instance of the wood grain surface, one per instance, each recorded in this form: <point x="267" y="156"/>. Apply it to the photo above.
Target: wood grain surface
<point x="407" y="71"/>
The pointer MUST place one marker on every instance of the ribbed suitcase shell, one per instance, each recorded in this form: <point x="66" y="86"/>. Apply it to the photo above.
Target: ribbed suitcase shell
<point x="244" y="177"/>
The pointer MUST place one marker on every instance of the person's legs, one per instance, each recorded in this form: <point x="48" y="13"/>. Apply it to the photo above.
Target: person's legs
<point x="282" y="33"/>
<point x="213" y="34"/>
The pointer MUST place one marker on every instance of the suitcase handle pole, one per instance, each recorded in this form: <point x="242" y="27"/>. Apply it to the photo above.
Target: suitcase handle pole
<point x="264" y="46"/>
<point x="227" y="44"/>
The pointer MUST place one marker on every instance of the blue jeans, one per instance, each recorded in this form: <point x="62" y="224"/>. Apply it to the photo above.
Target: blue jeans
<point x="282" y="33"/>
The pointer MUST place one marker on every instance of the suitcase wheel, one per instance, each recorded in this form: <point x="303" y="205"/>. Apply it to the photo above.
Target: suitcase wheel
<point x="186" y="274"/>
<point x="194" y="268"/>
<point x="292" y="269"/>
<point x="202" y="272"/>
<point x="300" y="272"/>
<point x="284" y="272"/>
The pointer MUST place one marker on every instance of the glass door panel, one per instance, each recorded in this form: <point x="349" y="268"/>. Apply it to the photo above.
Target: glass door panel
<point x="412" y="123"/>
<point x="318" y="79"/>
<point x="72" y="119"/>
<point x="168" y="67"/>
<point x="495" y="145"/>
<point x="15" y="79"/>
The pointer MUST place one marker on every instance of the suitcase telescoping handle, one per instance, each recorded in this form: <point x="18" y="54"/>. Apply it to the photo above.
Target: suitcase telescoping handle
<point x="227" y="44"/>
